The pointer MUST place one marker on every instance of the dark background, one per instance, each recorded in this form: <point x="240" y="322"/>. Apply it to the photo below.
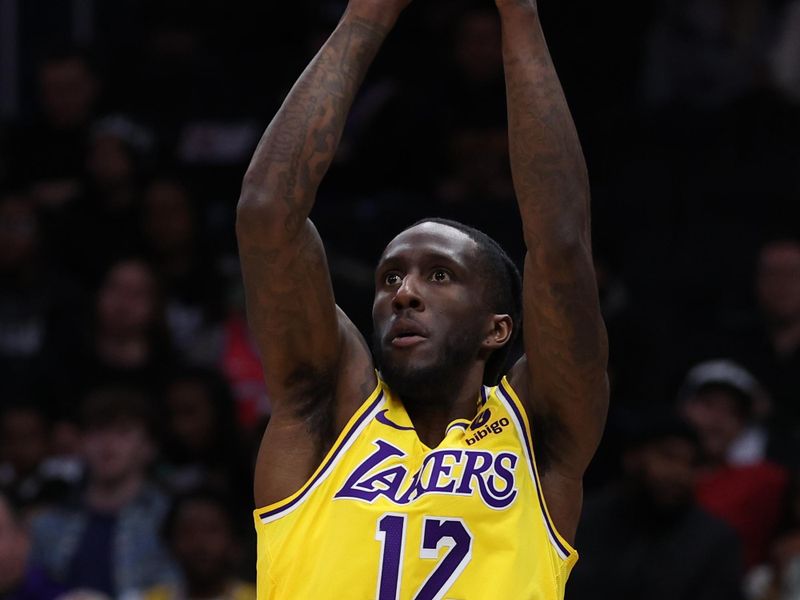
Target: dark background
<point x="688" y="111"/>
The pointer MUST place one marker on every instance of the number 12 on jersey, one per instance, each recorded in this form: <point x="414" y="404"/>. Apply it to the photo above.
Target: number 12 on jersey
<point x="437" y="533"/>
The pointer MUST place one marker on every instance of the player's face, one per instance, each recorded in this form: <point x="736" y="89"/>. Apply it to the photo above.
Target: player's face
<point x="429" y="315"/>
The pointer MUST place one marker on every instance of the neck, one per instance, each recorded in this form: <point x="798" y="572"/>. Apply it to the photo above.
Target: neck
<point x="112" y="495"/>
<point x="432" y="412"/>
<point x="200" y="590"/>
<point x="785" y="337"/>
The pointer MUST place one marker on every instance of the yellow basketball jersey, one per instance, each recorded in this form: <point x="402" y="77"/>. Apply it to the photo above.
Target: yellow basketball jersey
<point x="384" y="517"/>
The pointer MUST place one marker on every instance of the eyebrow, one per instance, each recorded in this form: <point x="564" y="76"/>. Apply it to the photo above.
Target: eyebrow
<point x="433" y="256"/>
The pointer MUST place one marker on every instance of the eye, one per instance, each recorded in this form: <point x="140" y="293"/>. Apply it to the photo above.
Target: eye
<point x="440" y="276"/>
<point x="392" y="279"/>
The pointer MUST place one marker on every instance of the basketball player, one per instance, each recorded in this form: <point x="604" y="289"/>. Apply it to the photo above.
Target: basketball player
<point x="420" y="481"/>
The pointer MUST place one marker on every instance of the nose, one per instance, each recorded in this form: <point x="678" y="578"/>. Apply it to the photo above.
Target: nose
<point x="407" y="296"/>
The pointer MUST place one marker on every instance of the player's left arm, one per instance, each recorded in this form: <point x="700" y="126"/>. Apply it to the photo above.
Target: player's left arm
<point x="562" y="378"/>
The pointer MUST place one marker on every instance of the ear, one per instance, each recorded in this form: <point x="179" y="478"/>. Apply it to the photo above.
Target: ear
<point x="500" y="333"/>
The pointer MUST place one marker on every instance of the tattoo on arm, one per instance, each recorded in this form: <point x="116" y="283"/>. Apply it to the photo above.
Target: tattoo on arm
<point x="289" y="295"/>
<point x="565" y="339"/>
<point x="299" y="145"/>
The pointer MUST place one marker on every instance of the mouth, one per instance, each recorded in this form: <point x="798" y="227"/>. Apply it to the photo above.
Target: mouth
<point x="405" y="333"/>
<point x="406" y="341"/>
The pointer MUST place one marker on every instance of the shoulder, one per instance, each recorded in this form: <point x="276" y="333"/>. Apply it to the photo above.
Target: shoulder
<point x="52" y="520"/>
<point x="158" y="592"/>
<point x="244" y="591"/>
<point x="152" y="498"/>
<point x="710" y="532"/>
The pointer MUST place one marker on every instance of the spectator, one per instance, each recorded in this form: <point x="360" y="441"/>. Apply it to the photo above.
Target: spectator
<point x="773" y="352"/>
<point x="38" y="308"/>
<point x="49" y="154"/>
<point x="193" y="287"/>
<point x="779" y="578"/>
<point x="707" y="53"/>
<point x="240" y="363"/>
<point x="200" y="532"/>
<point x="646" y="539"/>
<point x="28" y="470"/>
<point x="20" y="578"/>
<point x="202" y="443"/>
<point x="785" y="55"/>
<point x="106" y="539"/>
<point x="107" y="213"/>
<point x="737" y="484"/>
<point x="128" y="342"/>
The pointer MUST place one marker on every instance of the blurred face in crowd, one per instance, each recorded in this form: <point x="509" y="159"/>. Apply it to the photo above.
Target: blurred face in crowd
<point x="14" y="547"/>
<point x="18" y="232"/>
<point x="479" y="158"/>
<point x="203" y="543"/>
<point x="23" y="439"/>
<point x="67" y="91"/>
<point x="665" y="471"/>
<point x="117" y="451"/>
<point x="169" y="223"/>
<point x="778" y="282"/>
<point x="127" y="301"/>
<point x="109" y="162"/>
<point x="192" y="417"/>
<point x="478" y="51"/>
<point x="717" y="417"/>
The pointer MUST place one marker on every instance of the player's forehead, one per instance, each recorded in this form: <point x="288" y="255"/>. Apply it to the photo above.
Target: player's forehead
<point x="430" y="239"/>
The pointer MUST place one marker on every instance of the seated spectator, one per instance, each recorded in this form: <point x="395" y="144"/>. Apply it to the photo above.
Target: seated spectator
<point x="736" y="484"/>
<point x="20" y="578"/>
<point x="202" y="444"/>
<point x="192" y="285"/>
<point x="107" y="213"/>
<point x="646" y="539"/>
<point x="106" y="538"/>
<point x="772" y="349"/>
<point x="779" y="578"/>
<point x="28" y="469"/>
<point x="706" y="53"/>
<point x="127" y="342"/>
<point x="38" y="307"/>
<point x="48" y="153"/>
<point x="200" y="533"/>
<point x="241" y="365"/>
<point x="785" y="56"/>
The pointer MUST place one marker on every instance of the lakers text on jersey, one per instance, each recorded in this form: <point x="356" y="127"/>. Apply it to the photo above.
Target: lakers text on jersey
<point x="384" y="517"/>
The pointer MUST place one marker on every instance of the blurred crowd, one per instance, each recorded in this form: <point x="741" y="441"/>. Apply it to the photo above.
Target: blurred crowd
<point x="132" y="400"/>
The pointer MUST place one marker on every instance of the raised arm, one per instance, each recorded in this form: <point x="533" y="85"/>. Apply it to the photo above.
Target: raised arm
<point x="563" y="375"/>
<point x="308" y="349"/>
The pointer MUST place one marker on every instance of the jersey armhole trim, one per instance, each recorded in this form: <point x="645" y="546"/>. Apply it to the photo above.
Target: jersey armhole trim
<point x="351" y="431"/>
<point x="506" y="393"/>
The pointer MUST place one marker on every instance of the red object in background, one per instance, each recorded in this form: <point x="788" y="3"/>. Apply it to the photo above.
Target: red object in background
<point x="241" y="365"/>
<point x="750" y="499"/>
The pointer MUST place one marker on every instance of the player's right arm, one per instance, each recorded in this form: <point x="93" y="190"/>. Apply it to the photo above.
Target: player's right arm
<point x="316" y="365"/>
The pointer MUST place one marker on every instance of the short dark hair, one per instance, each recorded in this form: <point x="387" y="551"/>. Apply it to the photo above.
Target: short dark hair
<point x="108" y="406"/>
<point x="502" y="289"/>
